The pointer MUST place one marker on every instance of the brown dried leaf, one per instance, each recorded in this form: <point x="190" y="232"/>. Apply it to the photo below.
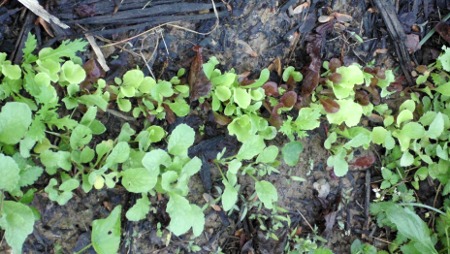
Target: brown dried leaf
<point x="330" y="105"/>
<point x="343" y="18"/>
<point x="325" y="18"/>
<point x="422" y="69"/>
<point x="300" y="8"/>
<point x="170" y="115"/>
<point x="198" y="83"/>
<point x="93" y="73"/>
<point x="44" y="25"/>
<point x="443" y="30"/>
<point x="221" y="119"/>
<point x="412" y="43"/>
<point x="210" y="200"/>
<point x="276" y="66"/>
<point x="247" y="48"/>
<point x="85" y="10"/>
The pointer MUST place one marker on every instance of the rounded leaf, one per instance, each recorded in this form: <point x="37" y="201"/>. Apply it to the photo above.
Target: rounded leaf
<point x="223" y="93"/>
<point x="242" y="98"/>
<point x="138" y="180"/>
<point x="9" y="172"/>
<point x="15" y="118"/>
<point x="72" y="73"/>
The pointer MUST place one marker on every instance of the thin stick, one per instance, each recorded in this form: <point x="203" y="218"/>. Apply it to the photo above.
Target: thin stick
<point x="307" y="223"/>
<point x="216" y="13"/>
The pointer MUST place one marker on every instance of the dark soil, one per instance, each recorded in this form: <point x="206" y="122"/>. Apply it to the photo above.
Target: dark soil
<point x="251" y="34"/>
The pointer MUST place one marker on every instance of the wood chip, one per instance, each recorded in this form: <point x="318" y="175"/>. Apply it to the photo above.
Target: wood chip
<point x="100" y="58"/>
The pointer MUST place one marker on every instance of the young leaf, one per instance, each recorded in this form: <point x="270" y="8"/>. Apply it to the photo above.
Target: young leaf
<point x="242" y="98"/>
<point x="138" y="180"/>
<point x="308" y="118"/>
<point x="80" y="136"/>
<point x="436" y="127"/>
<point x="66" y="49"/>
<point x="339" y="163"/>
<point x="30" y="46"/>
<point x="17" y="220"/>
<point x="241" y="127"/>
<point x="11" y="71"/>
<point x="251" y="147"/>
<point x="106" y="232"/>
<point x="229" y="196"/>
<point x="184" y="216"/>
<point x="72" y="73"/>
<point x="181" y="139"/>
<point x="9" y="171"/>
<point x="119" y="154"/>
<point x="410" y="225"/>
<point x="291" y="152"/>
<point x="15" y="118"/>
<point x="268" y="155"/>
<point x="139" y="210"/>
<point x="407" y="159"/>
<point x="154" y="159"/>
<point x="350" y="76"/>
<point x="223" y="93"/>
<point x="267" y="193"/>
<point x="350" y="113"/>
<point x="54" y="160"/>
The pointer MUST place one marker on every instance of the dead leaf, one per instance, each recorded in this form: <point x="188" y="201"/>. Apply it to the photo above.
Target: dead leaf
<point x="44" y="25"/>
<point x="325" y="19"/>
<point x="301" y="8"/>
<point x="221" y="119"/>
<point x="170" y="115"/>
<point x="100" y="57"/>
<point x="412" y="43"/>
<point x="210" y="200"/>
<point x="85" y="10"/>
<point x="198" y="83"/>
<point x="343" y="18"/>
<point x="422" y="69"/>
<point x="276" y="66"/>
<point x="247" y="48"/>
<point x="36" y="8"/>
<point x="443" y="30"/>
<point x="93" y="73"/>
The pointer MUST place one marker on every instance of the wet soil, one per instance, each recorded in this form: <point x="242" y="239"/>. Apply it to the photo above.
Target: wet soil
<point x="250" y="36"/>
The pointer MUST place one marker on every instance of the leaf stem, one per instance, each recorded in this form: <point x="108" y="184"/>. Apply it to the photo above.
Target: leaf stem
<point x="423" y="206"/>
<point x="85" y="248"/>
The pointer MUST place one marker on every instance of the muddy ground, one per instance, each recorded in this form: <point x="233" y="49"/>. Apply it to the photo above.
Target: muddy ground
<point x="249" y="37"/>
